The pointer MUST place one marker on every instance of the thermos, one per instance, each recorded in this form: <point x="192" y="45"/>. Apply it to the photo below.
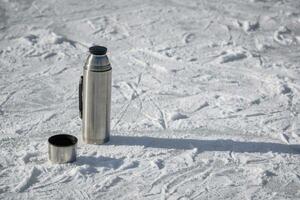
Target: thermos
<point x="95" y="97"/>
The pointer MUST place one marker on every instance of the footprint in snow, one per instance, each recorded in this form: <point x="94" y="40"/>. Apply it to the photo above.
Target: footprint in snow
<point x="284" y="36"/>
<point x="177" y="116"/>
<point x="188" y="38"/>
<point x="248" y="26"/>
<point x="232" y="56"/>
<point x="28" y="180"/>
<point x="159" y="163"/>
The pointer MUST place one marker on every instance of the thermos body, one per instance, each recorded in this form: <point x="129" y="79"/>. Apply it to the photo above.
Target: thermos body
<point x="95" y="88"/>
<point x="96" y="106"/>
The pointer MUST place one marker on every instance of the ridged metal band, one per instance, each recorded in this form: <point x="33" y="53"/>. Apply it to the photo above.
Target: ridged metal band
<point x="98" y="68"/>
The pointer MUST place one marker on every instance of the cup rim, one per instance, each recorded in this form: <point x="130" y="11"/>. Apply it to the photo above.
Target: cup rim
<point x="62" y="140"/>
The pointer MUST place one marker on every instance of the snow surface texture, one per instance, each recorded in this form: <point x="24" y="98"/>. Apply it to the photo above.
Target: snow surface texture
<point x="205" y="99"/>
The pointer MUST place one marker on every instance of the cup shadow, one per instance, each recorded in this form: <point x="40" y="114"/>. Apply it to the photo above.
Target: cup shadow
<point x="205" y="145"/>
<point x="100" y="161"/>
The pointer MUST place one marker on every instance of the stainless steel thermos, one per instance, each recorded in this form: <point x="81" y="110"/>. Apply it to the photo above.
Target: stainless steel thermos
<point x="95" y="97"/>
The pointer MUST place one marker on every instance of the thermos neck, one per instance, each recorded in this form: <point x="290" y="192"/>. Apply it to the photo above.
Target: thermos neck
<point x="97" y="63"/>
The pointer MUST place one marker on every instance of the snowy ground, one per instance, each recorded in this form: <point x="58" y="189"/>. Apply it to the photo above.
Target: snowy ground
<point x="205" y="99"/>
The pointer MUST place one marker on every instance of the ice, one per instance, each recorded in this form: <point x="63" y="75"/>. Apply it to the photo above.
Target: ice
<point x="205" y="99"/>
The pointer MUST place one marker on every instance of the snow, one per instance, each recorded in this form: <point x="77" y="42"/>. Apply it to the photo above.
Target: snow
<point x="205" y="99"/>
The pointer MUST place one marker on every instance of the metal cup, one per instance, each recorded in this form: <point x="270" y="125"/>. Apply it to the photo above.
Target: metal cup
<point x="62" y="148"/>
